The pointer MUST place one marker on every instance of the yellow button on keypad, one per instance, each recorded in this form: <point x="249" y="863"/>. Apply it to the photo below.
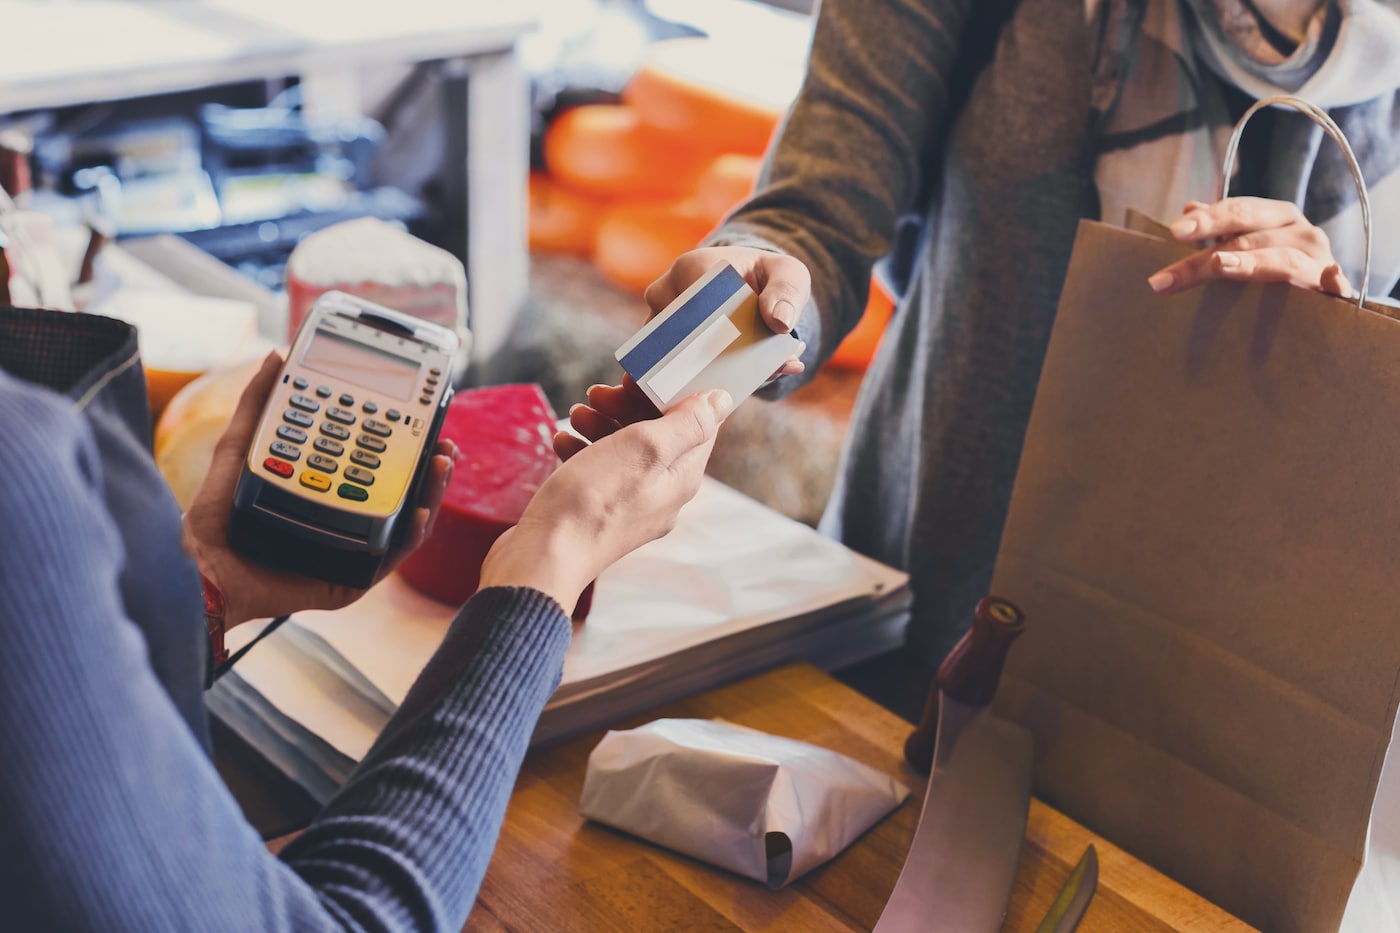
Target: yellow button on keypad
<point x="317" y="481"/>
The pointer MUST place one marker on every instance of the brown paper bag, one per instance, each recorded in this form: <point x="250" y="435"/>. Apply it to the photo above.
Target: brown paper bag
<point x="1205" y="538"/>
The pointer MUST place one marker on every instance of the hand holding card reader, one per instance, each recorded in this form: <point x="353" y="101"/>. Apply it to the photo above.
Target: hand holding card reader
<point x="336" y="466"/>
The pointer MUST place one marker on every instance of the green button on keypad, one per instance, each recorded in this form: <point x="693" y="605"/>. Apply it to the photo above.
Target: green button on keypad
<point x="347" y="491"/>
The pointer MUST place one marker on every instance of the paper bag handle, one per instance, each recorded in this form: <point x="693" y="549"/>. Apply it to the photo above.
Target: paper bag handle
<point x="1330" y="127"/>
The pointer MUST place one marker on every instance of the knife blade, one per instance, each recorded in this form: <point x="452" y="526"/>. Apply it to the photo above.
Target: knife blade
<point x="961" y="865"/>
<point x="1074" y="897"/>
<point x="962" y="862"/>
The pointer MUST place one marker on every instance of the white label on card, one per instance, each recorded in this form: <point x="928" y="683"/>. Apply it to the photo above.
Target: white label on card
<point x="704" y="347"/>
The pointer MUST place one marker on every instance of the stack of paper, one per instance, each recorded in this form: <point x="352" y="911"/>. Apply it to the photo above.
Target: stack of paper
<point x="734" y="588"/>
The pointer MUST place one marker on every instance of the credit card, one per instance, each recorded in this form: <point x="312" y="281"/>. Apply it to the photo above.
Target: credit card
<point x="710" y="337"/>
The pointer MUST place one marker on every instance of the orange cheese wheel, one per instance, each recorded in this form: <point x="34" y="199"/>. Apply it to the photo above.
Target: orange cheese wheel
<point x="700" y="90"/>
<point x="858" y="349"/>
<point x="561" y="219"/>
<point x="604" y="150"/>
<point x="726" y="183"/>
<point x="638" y="241"/>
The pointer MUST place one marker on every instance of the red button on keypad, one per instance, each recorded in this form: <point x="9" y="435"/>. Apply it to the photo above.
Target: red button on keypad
<point x="280" y="467"/>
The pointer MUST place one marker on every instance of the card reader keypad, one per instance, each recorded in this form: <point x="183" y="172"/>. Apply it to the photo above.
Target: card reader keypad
<point x="333" y="434"/>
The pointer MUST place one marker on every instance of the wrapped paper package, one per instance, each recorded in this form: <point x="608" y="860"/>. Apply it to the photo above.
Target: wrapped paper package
<point x="765" y="807"/>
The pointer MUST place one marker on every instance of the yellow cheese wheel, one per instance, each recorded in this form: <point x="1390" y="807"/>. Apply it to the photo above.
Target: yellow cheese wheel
<point x="195" y="419"/>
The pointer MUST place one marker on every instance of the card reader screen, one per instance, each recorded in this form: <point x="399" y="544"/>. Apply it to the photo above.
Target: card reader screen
<point x="385" y="373"/>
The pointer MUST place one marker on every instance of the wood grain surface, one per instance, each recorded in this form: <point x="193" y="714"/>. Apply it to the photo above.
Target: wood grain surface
<point x="554" y="871"/>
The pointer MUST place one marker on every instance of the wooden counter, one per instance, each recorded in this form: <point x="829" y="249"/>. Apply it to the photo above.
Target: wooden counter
<point x="553" y="871"/>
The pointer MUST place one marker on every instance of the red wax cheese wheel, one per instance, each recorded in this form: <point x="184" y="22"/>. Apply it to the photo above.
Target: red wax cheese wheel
<point x="505" y="434"/>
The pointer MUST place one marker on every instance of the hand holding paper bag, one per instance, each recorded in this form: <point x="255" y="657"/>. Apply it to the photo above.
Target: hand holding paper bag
<point x="765" y="807"/>
<point x="1204" y="527"/>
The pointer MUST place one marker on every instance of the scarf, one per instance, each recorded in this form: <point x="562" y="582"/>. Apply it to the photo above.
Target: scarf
<point x="1164" y="138"/>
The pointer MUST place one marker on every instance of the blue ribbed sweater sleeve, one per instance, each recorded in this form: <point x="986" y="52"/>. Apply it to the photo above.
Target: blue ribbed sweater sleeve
<point x="112" y="817"/>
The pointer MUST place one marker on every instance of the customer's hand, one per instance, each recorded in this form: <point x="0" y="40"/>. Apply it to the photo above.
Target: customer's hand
<point x="252" y="591"/>
<point x="1255" y="239"/>
<point x="782" y="283"/>
<point x="609" y="408"/>
<point x="607" y="499"/>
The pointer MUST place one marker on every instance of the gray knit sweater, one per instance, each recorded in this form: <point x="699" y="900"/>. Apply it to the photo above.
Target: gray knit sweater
<point x="999" y="171"/>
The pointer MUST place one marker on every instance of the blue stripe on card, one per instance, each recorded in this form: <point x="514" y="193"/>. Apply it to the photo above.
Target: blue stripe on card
<point x="686" y="319"/>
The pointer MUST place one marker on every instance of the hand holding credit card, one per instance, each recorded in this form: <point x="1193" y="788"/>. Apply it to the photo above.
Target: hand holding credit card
<point x="710" y="337"/>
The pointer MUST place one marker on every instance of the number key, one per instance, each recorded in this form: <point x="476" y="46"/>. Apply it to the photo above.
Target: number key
<point x="341" y="415"/>
<point x="289" y="433"/>
<point x="364" y="458"/>
<point x="327" y="446"/>
<point x="371" y="443"/>
<point x="335" y="431"/>
<point x="322" y="463"/>
<point x="299" y="418"/>
<point x="377" y="427"/>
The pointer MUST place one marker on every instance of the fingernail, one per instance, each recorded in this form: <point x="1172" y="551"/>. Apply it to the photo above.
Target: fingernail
<point x="1228" y="260"/>
<point x="1161" y="281"/>
<point x="784" y="313"/>
<point x="1183" y="227"/>
<point x="721" y="402"/>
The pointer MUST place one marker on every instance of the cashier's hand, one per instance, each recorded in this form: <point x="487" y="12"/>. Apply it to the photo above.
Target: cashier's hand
<point x="782" y="283"/>
<point x="607" y="499"/>
<point x="252" y="591"/>
<point x="1256" y="240"/>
